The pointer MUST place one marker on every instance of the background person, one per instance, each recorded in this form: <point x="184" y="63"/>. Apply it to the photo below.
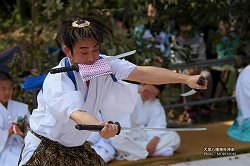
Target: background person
<point x="13" y="123"/>
<point x="148" y="113"/>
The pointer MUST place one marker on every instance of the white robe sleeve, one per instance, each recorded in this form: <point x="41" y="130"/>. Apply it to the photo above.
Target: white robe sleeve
<point x="121" y="68"/>
<point x="157" y="118"/>
<point x="60" y="97"/>
<point x="94" y="136"/>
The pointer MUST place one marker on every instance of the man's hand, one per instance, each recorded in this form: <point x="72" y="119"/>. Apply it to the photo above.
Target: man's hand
<point x="15" y="130"/>
<point x="109" y="130"/>
<point x="192" y="82"/>
<point x="152" y="145"/>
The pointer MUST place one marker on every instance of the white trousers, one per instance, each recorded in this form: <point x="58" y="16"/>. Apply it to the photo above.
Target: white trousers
<point x="131" y="147"/>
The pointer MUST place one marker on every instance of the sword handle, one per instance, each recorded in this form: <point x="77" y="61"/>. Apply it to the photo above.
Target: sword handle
<point x="89" y="127"/>
<point x="119" y="128"/>
<point x="201" y="82"/>
<point x="64" y="69"/>
<point x="97" y="127"/>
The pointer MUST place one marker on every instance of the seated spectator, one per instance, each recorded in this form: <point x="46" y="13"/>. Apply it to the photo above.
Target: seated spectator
<point x="224" y="75"/>
<point x="13" y="123"/>
<point x="190" y="47"/>
<point x="228" y="44"/>
<point x="240" y="130"/>
<point x="153" y="36"/>
<point x="139" y="144"/>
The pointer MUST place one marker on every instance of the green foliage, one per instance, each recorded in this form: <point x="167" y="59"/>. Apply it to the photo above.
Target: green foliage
<point x="36" y="30"/>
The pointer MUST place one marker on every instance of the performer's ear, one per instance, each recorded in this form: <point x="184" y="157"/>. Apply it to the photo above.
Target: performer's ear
<point x="69" y="55"/>
<point x="67" y="52"/>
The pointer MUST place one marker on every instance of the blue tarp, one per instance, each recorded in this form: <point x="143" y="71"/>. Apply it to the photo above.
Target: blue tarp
<point x="34" y="82"/>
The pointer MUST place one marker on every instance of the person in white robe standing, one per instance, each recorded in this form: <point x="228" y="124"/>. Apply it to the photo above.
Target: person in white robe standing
<point x="11" y="135"/>
<point x="148" y="113"/>
<point x="63" y="103"/>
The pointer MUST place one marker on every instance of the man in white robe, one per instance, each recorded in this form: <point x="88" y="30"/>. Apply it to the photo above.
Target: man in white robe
<point x="62" y="104"/>
<point x="139" y="144"/>
<point x="11" y="137"/>
<point x="98" y="95"/>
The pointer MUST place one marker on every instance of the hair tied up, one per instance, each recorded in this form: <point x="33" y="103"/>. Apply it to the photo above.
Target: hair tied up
<point x="80" y="23"/>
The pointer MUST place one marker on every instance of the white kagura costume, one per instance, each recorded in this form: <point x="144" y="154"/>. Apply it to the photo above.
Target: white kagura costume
<point x="10" y="148"/>
<point x="131" y="145"/>
<point x="59" y="98"/>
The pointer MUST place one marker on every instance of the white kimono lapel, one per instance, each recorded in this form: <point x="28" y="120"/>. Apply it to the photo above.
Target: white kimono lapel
<point x="3" y="127"/>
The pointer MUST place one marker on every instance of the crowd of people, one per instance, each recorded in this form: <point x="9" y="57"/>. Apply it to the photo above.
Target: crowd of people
<point x="189" y="45"/>
<point x="48" y="136"/>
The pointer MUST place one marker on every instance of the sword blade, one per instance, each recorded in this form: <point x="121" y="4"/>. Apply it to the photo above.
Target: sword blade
<point x="121" y="55"/>
<point x="76" y="68"/>
<point x="164" y="129"/>
<point x="99" y="128"/>
<point x="201" y="82"/>
<point x="191" y="92"/>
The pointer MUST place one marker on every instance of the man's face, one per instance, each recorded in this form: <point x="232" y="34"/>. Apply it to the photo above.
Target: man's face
<point x="6" y="90"/>
<point x="148" y="92"/>
<point x="186" y="31"/>
<point x="85" y="51"/>
<point x="151" y="11"/>
<point x="223" y="28"/>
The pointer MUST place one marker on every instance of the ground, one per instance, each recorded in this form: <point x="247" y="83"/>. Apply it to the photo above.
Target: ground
<point x="195" y="146"/>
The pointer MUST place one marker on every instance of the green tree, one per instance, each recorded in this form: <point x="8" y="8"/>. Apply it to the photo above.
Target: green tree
<point x="33" y="25"/>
